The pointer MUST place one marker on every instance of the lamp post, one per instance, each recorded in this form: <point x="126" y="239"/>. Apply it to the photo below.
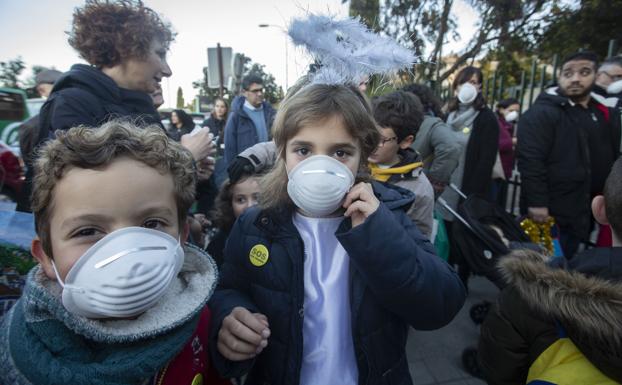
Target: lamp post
<point x="286" y="56"/>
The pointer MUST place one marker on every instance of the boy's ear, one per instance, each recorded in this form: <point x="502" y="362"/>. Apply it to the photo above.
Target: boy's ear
<point x="598" y="209"/>
<point x="185" y="231"/>
<point x="407" y="141"/>
<point x="36" y="249"/>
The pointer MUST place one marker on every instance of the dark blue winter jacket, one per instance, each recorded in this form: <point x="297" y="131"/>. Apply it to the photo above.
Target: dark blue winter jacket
<point x="85" y="95"/>
<point x="240" y="131"/>
<point x="396" y="281"/>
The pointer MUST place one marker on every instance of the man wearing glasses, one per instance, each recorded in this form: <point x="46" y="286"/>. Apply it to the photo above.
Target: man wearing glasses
<point x="567" y="143"/>
<point x="250" y="119"/>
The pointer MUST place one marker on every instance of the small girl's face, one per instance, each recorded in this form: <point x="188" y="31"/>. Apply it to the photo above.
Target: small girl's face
<point x="244" y="194"/>
<point x="328" y="137"/>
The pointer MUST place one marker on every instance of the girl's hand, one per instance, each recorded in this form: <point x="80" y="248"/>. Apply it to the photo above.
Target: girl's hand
<point x="243" y="334"/>
<point x="360" y="203"/>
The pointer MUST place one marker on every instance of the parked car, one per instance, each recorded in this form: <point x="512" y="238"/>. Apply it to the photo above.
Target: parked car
<point x="13" y="110"/>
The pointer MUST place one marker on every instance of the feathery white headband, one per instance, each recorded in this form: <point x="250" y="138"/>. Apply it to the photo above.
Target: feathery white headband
<point x="347" y="51"/>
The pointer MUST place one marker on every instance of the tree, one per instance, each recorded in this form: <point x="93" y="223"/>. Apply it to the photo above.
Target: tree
<point x="425" y="25"/>
<point x="273" y="93"/>
<point x="368" y="11"/>
<point x="590" y="24"/>
<point x="180" y="98"/>
<point x="10" y="72"/>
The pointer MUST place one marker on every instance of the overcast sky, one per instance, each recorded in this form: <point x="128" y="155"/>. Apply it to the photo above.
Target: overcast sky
<point x="35" y="30"/>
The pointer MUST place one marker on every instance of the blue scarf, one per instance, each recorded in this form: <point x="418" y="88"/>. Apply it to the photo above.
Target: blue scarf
<point x="42" y="343"/>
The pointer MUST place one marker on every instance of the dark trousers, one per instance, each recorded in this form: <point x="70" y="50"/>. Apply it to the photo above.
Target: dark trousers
<point x="568" y="242"/>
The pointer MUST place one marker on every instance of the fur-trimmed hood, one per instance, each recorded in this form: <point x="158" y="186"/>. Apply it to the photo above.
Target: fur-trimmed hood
<point x="584" y="295"/>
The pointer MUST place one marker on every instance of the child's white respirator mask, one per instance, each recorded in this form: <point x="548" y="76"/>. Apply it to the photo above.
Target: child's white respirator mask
<point x="318" y="185"/>
<point x="123" y="274"/>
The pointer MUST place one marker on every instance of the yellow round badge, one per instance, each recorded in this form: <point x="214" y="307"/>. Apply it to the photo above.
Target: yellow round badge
<point x="258" y="255"/>
<point x="197" y="380"/>
<point x="466" y="130"/>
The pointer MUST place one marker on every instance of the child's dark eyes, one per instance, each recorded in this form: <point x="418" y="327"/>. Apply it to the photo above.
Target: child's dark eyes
<point x="85" y="232"/>
<point x="342" y="153"/>
<point x="240" y="200"/>
<point x="154" y="224"/>
<point x="303" y="151"/>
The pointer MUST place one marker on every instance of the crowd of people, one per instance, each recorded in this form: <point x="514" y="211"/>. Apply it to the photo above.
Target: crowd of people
<point x="296" y="245"/>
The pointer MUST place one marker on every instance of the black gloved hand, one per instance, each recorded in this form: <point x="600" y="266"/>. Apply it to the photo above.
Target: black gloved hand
<point x="239" y="167"/>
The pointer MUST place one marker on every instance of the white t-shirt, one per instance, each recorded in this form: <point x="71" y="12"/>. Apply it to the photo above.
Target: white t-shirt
<point x="328" y="350"/>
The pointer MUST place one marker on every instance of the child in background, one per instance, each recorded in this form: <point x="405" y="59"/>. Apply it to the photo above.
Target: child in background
<point x="232" y="200"/>
<point x="399" y="115"/>
<point x="116" y="297"/>
<point x="322" y="281"/>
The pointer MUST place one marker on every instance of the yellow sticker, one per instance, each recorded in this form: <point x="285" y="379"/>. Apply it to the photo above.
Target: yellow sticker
<point x="197" y="380"/>
<point x="466" y="130"/>
<point x="258" y="255"/>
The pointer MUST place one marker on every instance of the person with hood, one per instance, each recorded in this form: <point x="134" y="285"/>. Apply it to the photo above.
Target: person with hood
<point x="125" y="44"/>
<point x="567" y="142"/>
<point x="559" y="322"/>
<point x="250" y="119"/>
<point x="399" y="115"/>
<point x="435" y="140"/>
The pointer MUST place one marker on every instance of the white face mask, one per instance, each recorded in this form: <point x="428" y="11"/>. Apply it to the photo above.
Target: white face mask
<point x="319" y="184"/>
<point x="511" y="116"/>
<point x="467" y="93"/>
<point x="123" y="274"/>
<point x="615" y="88"/>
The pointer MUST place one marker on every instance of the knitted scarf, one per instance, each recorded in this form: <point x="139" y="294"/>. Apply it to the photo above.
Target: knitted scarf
<point x="48" y="345"/>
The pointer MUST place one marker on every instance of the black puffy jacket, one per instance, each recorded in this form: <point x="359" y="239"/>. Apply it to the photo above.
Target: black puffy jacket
<point x="86" y="96"/>
<point x="396" y="281"/>
<point x="555" y="141"/>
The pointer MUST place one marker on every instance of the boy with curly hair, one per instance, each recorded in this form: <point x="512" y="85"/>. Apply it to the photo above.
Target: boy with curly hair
<point x="117" y="298"/>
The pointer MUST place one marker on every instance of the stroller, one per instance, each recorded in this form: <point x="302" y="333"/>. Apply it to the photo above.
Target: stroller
<point x="483" y="233"/>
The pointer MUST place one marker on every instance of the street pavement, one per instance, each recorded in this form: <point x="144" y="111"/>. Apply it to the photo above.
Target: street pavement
<point x="434" y="357"/>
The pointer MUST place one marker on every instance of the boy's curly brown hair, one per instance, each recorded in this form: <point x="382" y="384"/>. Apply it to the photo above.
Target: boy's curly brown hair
<point x="106" y="33"/>
<point x="95" y="148"/>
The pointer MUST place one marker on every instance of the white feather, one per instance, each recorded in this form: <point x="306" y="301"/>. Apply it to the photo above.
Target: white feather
<point x="347" y="50"/>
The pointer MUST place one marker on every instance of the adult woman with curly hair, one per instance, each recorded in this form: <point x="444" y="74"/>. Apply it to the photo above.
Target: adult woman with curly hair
<point x="125" y="44"/>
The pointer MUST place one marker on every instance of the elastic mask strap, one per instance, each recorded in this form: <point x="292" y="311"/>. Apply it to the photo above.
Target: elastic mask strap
<point x="60" y="281"/>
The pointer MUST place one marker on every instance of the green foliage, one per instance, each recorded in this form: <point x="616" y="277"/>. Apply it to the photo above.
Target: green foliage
<point x="368" y="11"/>
<point x="180" y="98"/>
<point x="588" y="25"/>
<point x="204" y="90"/>
<point x="16" y="258"/>
<point x="10" y="71"/>
<point x="503" y="26"/>
<point x="273" y="93"/>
